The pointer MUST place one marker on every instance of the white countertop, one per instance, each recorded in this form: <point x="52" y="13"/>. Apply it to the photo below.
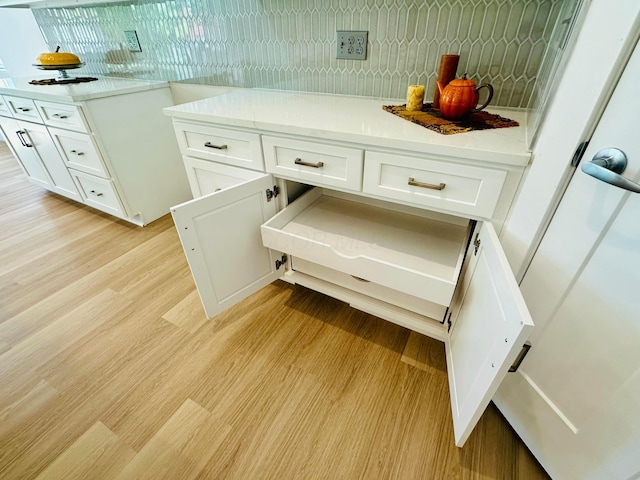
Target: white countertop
<point x="74" y="92"/>
<point x="355" y="119"/>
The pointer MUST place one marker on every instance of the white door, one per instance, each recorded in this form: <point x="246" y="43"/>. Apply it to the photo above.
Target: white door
<point x="24" y="150"/>
<point x="220" y="235"/>
<point x="490" y="323"/>
<point x="575" y="400"/>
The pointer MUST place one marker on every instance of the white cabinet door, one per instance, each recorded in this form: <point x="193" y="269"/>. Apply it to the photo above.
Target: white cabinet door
<point x="220" y="234"/>
<point x="490" y="323"/>
<point x="25" y="152"/>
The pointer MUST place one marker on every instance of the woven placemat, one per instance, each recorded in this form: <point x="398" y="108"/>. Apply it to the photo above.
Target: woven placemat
<point x="62" y="81"/>
<point x="431" y="118"/>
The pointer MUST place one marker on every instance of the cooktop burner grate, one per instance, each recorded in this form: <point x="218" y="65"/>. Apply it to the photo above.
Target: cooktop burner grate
<point x="62" y="81"/>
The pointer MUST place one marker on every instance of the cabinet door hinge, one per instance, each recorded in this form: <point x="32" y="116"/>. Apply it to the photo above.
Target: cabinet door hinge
<point x="281" y="261"/>
<point x="272" y="193"/>
<point x="449" y="323"/>
<point x="476" y="244"/>
<point x="523" y="353"/>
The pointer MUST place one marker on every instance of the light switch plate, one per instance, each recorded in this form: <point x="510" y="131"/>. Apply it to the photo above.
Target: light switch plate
<point x="133" y="44"/>
<point x="352" y="45"/>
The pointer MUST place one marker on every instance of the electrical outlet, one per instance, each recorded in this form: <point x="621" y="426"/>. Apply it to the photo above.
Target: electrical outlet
<point x="132" y="41"/>
<point x="352" y="45"/>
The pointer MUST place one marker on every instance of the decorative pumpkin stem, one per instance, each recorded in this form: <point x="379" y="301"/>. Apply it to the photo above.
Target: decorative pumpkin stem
<point x="58" y="49"/>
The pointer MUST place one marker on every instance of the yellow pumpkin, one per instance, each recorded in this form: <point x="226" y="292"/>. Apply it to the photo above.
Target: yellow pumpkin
<point x="57" y="58"/>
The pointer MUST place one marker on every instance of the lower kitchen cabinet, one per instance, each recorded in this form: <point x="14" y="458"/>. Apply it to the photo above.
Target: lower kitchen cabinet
<point x="105" y="144"/>
<point x="437" y="271"/>
<point x="37" y="155"/>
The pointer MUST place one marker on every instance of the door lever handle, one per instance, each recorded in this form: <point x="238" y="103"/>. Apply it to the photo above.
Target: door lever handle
<point x="607" y="165"/>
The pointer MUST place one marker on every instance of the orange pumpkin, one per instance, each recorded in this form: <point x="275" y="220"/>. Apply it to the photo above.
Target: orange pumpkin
<point x="460" y="97"/>
<point x="57" y="58"/>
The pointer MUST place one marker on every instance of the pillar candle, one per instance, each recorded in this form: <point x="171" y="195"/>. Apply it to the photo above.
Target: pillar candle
<point x="415" y="97"/>
<point x="446" y="73"/>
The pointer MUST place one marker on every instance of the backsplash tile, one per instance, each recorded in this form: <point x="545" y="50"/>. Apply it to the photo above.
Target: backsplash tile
<point x="290" y="44"/>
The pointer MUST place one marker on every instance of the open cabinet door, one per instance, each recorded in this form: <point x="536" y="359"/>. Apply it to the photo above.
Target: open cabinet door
<point x="490" y="323"/>
<point x="220" y="234"/>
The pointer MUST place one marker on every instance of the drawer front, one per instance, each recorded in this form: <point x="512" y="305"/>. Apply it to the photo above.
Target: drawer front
<point x="231" y="147"/>
<point x="457" y="188"/>
<point x="4" y="108"/>
<point x="315" y="163"/>
<point x="62" y="116"/>
<point x="22" y="108"/>
<point x="389" y="295"/>
<point x="79" y="151"/>
<point x="408" y="252"/>
<point x="209" y="177"/>
<point x="98" y="192"/>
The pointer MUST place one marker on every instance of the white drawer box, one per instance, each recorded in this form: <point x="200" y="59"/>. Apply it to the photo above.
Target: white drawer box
<point x="98" y="192"/>
<point x="374" y="290"/>
<point x="22" y="108"/>
<point x="231" y="147"/>
<point x="410" y="250"/>
<point x="79" y="151"/>
<point x="4" y="108"/>
<point x="462" y="189"/>
<point x="316" y="163"/>
<point x="63" y="116"/>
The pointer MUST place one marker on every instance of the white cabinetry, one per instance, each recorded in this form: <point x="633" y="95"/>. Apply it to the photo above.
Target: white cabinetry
<point x="414" y="244"/>
<point x="103" y="143"/>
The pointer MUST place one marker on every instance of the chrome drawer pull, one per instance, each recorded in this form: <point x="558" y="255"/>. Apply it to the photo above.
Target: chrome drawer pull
<point x="93" y="192"/>
<point x="21" y="136"/>
<point x="299" y="161"/>
<point x="413" y="183"/>
<point x="75" y="152"/>
<point x="217" y="147"/>
<point x="59" y="115"/>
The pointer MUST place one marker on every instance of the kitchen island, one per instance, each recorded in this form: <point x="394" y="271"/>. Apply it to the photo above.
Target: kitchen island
<point x="104" y="143"/>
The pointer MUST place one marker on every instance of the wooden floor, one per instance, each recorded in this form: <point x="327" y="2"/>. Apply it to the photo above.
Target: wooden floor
<point x="109" y="369"/>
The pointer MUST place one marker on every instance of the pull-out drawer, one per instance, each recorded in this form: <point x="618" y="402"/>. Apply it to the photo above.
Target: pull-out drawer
<point x="22" y="108"/>
<point x="4" y="108"/>
<point x="63" y="116"/>
<point x="464" y="189"/>
<point x="79" y="151"/>
<point x="232" y="147"/>
<point x="315" y="163"/>
<point x="410" y="250"/>
<point x="371" y="289"/>
<point x="98" y="192"/>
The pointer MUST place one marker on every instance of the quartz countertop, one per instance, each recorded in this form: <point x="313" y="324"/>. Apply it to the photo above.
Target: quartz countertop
<point x="74" y="92"/>
<point x="355" y="120"/>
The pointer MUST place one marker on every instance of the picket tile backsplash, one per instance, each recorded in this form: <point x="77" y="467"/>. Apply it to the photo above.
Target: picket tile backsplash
<point x="291" y="44"/>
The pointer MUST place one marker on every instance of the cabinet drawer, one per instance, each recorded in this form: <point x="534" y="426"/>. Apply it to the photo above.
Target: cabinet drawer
<point x="374" y="290"/>
<point x="462" y="189"/>
<point x="22" y="108"/>
<point x="410" y="250"/>
<point x="4" y="109"/>
<point x="231" y="147"/>
<point x="316" y="163"/>
<point x="63" y="116"/>
<point x="98" y="192"/>
<point x="79" y="151"/>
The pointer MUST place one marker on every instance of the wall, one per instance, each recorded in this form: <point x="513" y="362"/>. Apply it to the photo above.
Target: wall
<point x="17" y="25"/>
<point x="290" y="44"/>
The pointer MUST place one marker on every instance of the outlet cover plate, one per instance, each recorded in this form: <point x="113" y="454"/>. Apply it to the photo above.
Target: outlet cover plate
<point x="133" y="44"/>
<point x="352" y="45"/>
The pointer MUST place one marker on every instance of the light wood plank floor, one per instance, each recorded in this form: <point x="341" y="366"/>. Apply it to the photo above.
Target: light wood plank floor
<point x="109" y="370"/>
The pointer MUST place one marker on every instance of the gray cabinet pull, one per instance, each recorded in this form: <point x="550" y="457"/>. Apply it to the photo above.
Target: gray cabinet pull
<point x="414" y="183"/>
<point x="23" y="109"/>
<point x="21" y="136"/>
<point x="299" y="161"/>
<point x="59" y="115"/>
<point x="75" y="152"/>
<point x="93" y="192"/>
<point x="217" y="147"/>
